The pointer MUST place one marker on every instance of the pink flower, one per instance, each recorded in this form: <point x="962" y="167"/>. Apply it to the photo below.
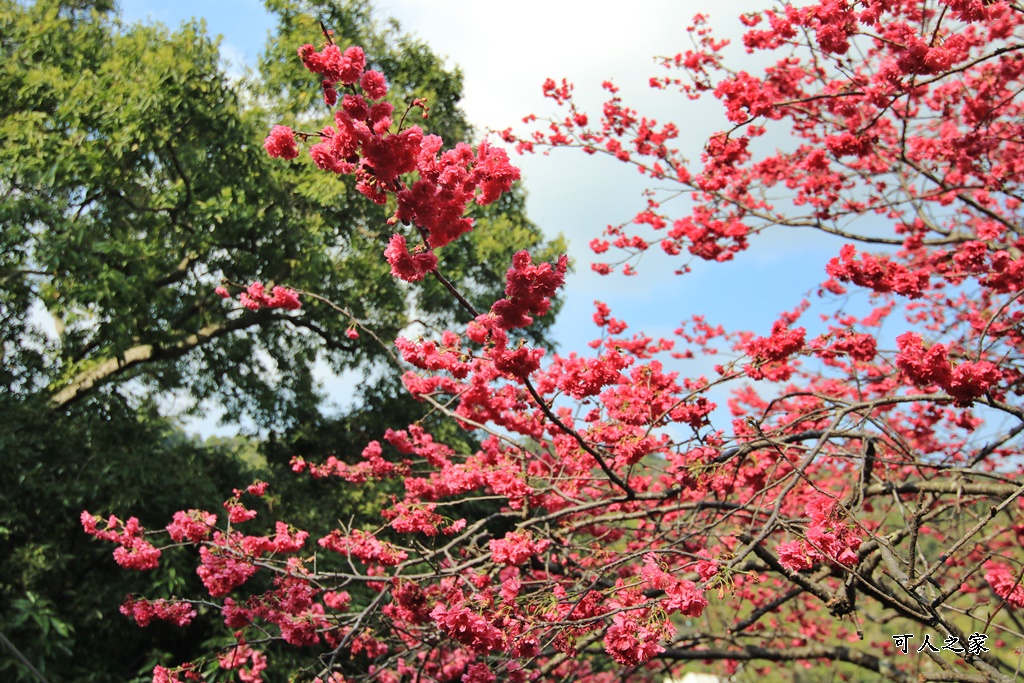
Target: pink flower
<point x="478" y="673"/>
<point x="774" y="350"/>
<point x="468" y="627"/>
<point x="685" y="597"/>
<point x="134" y="552"/>
<point x="337" y="600"/>
<point x="164" y="675"/>
<point x="630" y="643"/>
<point x="409" y="519"/>
<point x="374" y="85"/>
<point x="363" y="546"/>
<point x="145" y="612"/>
<point x="311" y="59"/>
<point x="407" y="266"/>
<point x="1005" y="584"/>
<point x="528" y="290"/>
<point x="194" y="526"/>
<point x="972" y="380"/>
<point x="326" y="158"/>
<point x="281" y="143"/>
<point x="583" y="377"/>
<point x="707" y="569"/>
<point x="516" y="548"/>
<point x="238" y="513"/>
<point x="330" y="93"/>
<point x="258" y="488"/>
<point x="239" y="656"/>
<point x="287" y="539"/>
<point x="284" y="298"/>
<point x="793" y="556"/>
<point x="964" y="382"/>
<point x="137" y="554"/>
<point x="653" y="575"/>
<point x="236" y="616"/>
<point x="354" y="61"/>
<point x="520" y="362"/>
<point x="221" y="573"/>
<point x="255" y="298"/>
<point x="920" y="366"/>
<point x="821" y="508"/>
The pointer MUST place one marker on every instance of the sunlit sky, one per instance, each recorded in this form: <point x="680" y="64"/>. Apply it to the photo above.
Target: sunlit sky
<point x="505" y="54"/>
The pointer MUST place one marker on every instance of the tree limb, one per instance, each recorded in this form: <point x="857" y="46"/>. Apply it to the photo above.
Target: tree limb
<point x="108" y="368"/>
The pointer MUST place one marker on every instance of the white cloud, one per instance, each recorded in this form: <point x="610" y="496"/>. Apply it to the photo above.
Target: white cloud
<point x="233" y="60"/>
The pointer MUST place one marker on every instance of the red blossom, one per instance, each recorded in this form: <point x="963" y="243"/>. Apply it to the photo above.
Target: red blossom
<point x="144" y="612"/>
<point x="528" y="290"/>
<point x="1005" y="583"/>
<point x="241" y="655"/>
<point x="793" y="556"/>
<point x="965" y="382"/>
<point x="516" y="548"/>
<point x="164" y="675"/>
<point x="194" y="526"/>
<point x="255" y="298"/>
<point x="133" y="552"/>
<point x="374" y="85"/>
<point x="363" y="546"/>
<point x="629" y="642"/>
<point x="467" y="627"/>
<point x="411" y="267"/>
<point x="281" y="143"/>
<point x="220" y="570"/>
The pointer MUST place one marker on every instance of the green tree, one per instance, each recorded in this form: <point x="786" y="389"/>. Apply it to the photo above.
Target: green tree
<point x="133" y="181"/>
<point x="58" y="593"/>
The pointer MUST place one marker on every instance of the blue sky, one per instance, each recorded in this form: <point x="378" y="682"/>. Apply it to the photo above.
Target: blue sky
<point x="505" y="56"/>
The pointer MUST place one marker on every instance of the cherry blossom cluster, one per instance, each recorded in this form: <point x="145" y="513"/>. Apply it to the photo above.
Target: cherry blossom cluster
<point x="467" y="627"/>
<point x="528" y="291"/>
<point x="255" y="297"/>
<point x="145" y="612"/>
<point x="965" y="382"/>
<point x="516" y="548"/>
<point x="133" y="551"/>
<point x="1005" y="583"/>
<point x="247" y="663"/>
<point x="825" y="539"/>
<point x="363" y="142"/>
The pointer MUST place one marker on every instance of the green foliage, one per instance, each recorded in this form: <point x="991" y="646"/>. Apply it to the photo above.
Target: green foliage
<point x="59" y="590"/>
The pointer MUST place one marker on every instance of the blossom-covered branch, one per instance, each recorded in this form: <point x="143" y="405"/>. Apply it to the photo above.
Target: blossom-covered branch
<point x="607" y="519"/>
